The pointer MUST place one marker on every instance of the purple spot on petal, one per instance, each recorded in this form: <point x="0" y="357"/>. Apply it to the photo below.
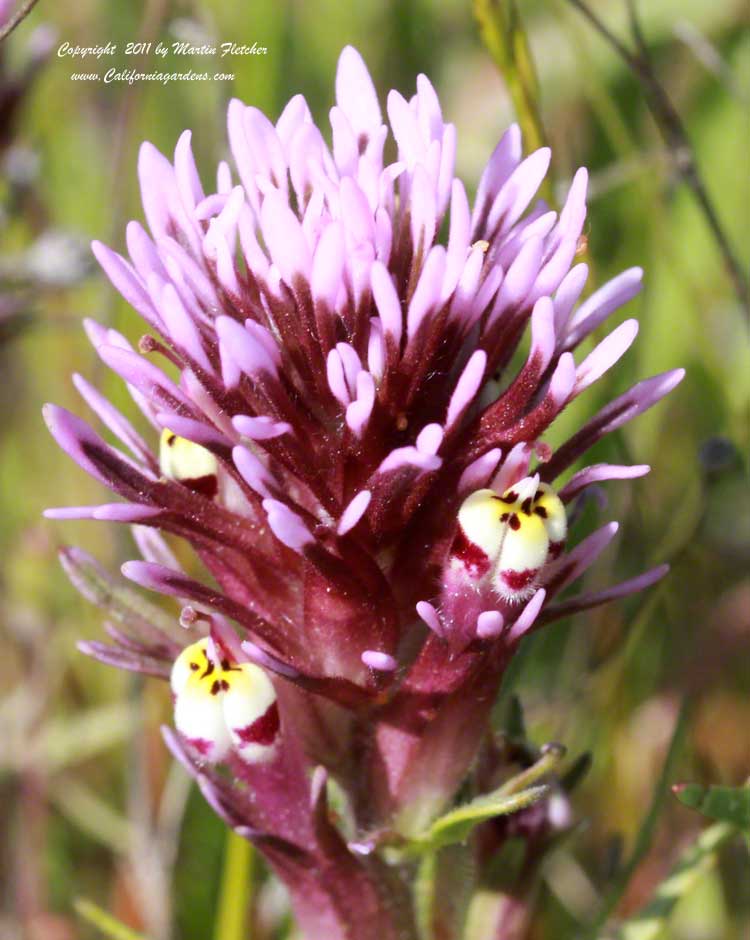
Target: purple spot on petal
<point x="472" y="557"/>
<point x="207" y="486"/>
<point x="201" y="745"/>
<point x="518" y="580"/>
<point x="263" y="730"/>
<point x="555" y="548"/>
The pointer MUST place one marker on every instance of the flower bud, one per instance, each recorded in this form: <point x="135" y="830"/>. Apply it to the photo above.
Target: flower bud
<point x="188" y="463"/>
<point x="221" y="706"/>
<point x="507" y="539"/>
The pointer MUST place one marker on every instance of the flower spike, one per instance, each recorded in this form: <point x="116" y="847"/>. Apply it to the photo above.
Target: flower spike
<point x="346" y="445"/>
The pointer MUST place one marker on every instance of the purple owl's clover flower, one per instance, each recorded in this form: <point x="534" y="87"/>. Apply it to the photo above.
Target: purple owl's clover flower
<point x="353" y="464"/>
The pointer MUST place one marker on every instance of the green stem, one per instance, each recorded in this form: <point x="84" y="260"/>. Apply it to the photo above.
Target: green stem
<point x="549" y="761"/>
<point x="235" y="893"/>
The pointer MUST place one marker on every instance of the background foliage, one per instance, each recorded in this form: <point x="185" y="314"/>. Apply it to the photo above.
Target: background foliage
<point x="91" y="807"/>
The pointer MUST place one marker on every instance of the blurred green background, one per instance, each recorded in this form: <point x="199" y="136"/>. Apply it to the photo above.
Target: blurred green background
<point x="91" y="807"/>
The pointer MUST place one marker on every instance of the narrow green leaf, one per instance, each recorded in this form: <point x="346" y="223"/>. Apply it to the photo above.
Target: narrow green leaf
<point x="505" y="38"/>
<point x="724" y="804"/>
<point x="108" y="925"/>
<point x="515" y="794"/>
<point x="580" y="767"/>
<point x="86" y="809"/>
<point x="235" y="893"/>
<point x="650" y="923"/>
<point x="457" y="825"/>
<point x="70" y="739"/>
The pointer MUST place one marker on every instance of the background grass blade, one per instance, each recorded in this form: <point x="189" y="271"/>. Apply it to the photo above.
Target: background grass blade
<point x="236" y="891"/>
<point x="695" y="863"/>
<point x="646" y="832"/>
<point x="108" y="925"/>
<point x="503" y="34"/>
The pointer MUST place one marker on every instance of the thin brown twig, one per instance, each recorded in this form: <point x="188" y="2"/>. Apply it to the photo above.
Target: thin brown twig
<point x="675" y="136"/>
<point x="18" y="17"/>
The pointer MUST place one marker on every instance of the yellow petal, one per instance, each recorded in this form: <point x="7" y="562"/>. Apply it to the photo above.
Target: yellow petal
<point x="191" y="661"/>
<point x="479" y="518"/>
<point x="523" y="553"/>
<point x="555" y="520"/>
<point x="186" y="462"/>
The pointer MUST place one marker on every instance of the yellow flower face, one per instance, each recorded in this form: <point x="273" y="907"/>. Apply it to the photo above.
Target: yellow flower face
<point x="222" y="707"/>
<point x="508" y="538"/>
